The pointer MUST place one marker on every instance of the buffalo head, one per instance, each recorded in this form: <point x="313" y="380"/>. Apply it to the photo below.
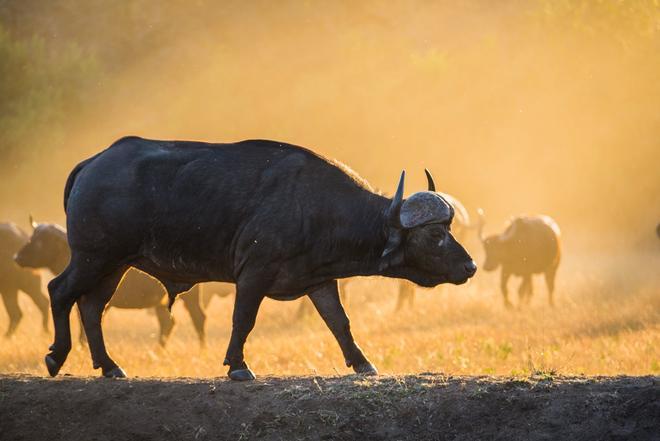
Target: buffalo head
<point x="494" y="245"/>
<point x="419" y="238"/>
<point x="44" y="247"/>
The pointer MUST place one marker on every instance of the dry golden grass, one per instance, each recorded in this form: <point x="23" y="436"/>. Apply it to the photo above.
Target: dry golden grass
<point x="607" y="321"/>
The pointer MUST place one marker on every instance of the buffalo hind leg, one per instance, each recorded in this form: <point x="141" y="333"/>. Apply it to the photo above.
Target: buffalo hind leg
<point x="504" y="280"/>
<point x="33" y="289"/>
<point x="246" y="306"/>
<point x="10" y="299"/>
<point x="306" y="306"/>
<point x="530" y="290"/>
<point x="406" y="295"/>
<point x="62" y="299"/>
<point x="166" y="323"/>
<point x="82" y="338"/>
<point x="192" y="302"/>
<point x="524" y="291"/>
<point x="327" y="303"/>
<point x="92" y="305"/>
<point x="206" y="296"/>
<point x="85" y="274"/>
<point x="550" y="282"/>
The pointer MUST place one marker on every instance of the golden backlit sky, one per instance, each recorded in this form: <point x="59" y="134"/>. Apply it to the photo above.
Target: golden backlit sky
<point x="516" y="106"/>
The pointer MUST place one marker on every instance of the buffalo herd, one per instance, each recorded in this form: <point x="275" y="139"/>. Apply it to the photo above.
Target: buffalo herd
<point x="147" y="221"/>
<point x="47" y="248"/>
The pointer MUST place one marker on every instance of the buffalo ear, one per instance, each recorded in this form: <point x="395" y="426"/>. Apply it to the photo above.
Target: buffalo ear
<point x="394" y="258"/>
<point x="393" y="242"/>
<point x="33" y="224"/>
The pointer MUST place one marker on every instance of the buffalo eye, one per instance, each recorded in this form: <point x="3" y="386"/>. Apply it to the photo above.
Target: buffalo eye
<point x="439" y="237"/>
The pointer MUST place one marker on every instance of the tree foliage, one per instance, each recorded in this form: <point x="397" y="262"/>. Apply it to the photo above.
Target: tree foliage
<point x="38" y="87"/>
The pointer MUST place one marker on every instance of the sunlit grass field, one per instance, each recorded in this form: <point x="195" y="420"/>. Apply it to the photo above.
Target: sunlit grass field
<point x="607" y="321"/>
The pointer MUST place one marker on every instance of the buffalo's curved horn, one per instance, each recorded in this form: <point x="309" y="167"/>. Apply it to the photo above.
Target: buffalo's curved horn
<point x="429" y="178"/>
<point x="395" y="207"/>
<point x="33" y="224"/>
<point x="480" y="224"/>
<point x="393" y="218"/>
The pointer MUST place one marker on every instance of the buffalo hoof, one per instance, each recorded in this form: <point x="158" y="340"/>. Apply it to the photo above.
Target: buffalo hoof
<point x="366" y="369"/>
<point x="242" y="375"/>
<point x="115" y="372"/>
<point x="52" y="365"/>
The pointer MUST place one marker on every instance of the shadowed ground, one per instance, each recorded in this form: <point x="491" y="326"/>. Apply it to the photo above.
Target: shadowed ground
<point x="425" y="406"/>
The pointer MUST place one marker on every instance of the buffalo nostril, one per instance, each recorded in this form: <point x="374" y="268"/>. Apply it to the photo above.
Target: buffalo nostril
<point x="470" y="267"/>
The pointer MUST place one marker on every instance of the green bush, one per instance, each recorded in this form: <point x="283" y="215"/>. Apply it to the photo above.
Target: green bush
<point x="38" y="89"/>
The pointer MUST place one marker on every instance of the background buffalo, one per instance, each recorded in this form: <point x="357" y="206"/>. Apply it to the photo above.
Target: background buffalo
<point x="529" y="245"/>
<point x="14" y="279"/>
<point x="48" y="248"/>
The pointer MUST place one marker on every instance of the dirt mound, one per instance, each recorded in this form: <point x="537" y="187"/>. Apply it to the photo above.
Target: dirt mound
<point x="403" y="407"/>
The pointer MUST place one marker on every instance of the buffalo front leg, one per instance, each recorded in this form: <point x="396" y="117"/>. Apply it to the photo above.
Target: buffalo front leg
<point x="10" y="299"/>
<point x="205" y="296"/>
<point x="246" y="307"/>
<point x="91" y="307"/>
<point x="165" y="323"/>
<point x="62" y="299"/>
<point x="550" y="282"/>
<point x="327" y="303"/>
<point x="192" y="301"/>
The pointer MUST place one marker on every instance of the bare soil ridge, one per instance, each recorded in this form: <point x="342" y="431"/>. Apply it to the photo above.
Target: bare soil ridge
<point x="426" y="406"/>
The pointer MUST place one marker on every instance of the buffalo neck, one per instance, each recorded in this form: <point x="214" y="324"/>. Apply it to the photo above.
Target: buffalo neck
<point x="61" y="257"/>
<point x="358" y="241"/>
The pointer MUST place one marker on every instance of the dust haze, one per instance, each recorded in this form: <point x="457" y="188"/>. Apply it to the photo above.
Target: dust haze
<point x="515" y="106"/>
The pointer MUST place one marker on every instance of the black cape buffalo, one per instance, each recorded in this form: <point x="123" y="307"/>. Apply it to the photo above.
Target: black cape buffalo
<point x="275" y="219"/>
<point x="529" y="245"/>
<point x="48" y="248"/>
<point x="14" y="278"/>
